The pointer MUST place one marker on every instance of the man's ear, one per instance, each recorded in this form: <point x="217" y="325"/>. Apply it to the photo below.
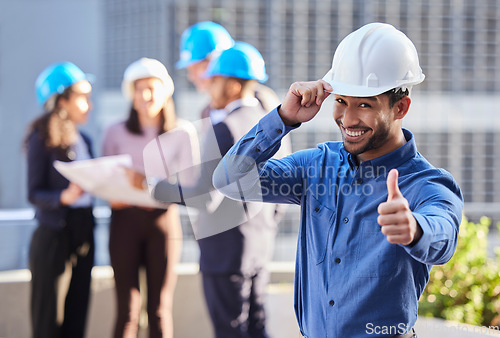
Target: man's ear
<point x="401" y="107"/>
<point x="233" y="87"/>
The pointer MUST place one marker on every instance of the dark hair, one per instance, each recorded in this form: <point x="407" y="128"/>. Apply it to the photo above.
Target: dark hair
<point x="167" y="119"/>
<point x="395" y="95"/>
<point x="54" y="126"/>
<point x="247" y="85"/>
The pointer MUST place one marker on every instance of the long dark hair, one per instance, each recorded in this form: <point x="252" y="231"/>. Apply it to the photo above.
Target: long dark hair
<point x="168" y="119"/>
<point x="54" y="126"/>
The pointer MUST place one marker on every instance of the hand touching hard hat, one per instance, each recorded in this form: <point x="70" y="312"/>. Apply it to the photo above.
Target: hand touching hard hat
<point x="372" y="60"/>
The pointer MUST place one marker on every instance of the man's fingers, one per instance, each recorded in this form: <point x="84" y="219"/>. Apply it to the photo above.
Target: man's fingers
<point x="392" y="207"/>
<point x="326" y="86"/>
<point x="390" y="219"/>
<point x="307" y="97"/>
<point x="396" y="234"/>
<point x="321" y="93"/>
<point x="391" y="230"/>
<point x="312" y="92"/>
<point x="399" y="239"/>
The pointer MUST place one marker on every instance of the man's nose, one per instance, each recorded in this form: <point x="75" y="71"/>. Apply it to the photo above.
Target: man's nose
<point x="349" y="118"/>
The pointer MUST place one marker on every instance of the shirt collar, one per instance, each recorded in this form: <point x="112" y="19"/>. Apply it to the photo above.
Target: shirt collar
<point x="248" y="101"/>
<point x="394" y="159"/>
<point x="218" y="115"/>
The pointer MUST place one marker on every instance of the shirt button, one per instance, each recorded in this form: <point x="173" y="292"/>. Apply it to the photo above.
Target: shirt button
<point x="332" y="303"/>
<point x="316" y="209"/>
<point x="359" y="181"/>
<point x="337" y="260"/>
<point x="346" y="220"/>
<point x="257" y="150"/>
<point x="279" y="131"/>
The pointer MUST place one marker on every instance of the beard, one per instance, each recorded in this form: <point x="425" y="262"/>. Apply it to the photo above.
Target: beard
<point x="377" y="140"/>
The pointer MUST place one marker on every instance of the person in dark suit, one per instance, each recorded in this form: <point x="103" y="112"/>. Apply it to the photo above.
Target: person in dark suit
<point x="236" y="239"/>
<point x="62" y="247"/>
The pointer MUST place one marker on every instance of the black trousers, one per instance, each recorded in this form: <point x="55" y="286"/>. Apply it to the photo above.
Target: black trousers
<point x="236" y="304"/>
<point x="61" y="261"/>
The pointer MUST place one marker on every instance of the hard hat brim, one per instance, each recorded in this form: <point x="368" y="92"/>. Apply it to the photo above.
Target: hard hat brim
<point x="181" y="64"/>
<point x="345" y="89"/>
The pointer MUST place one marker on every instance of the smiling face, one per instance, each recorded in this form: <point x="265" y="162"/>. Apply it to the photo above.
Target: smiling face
<point x="78" y="104"/>
<point x="149" y="98"/>
<point x="370" y="127"/>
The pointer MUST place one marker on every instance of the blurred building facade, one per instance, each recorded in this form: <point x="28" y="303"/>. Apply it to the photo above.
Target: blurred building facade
<point x="452" y="116"/>
<point x="458" y="42"/>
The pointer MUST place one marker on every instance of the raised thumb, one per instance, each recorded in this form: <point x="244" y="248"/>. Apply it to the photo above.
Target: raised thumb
<point x="392" y="185"/>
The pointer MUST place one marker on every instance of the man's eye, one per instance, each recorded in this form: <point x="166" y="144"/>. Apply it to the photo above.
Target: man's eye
<point x="340" y="101"/>
<point x="365" y="105"/>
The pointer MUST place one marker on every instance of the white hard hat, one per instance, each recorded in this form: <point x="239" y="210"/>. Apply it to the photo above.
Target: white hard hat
<point x="372" y="60"/>
<point x="145" y="68"/>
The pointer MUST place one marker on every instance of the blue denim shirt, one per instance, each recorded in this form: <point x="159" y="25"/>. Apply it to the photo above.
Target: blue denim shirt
<point x="349" y="280"/>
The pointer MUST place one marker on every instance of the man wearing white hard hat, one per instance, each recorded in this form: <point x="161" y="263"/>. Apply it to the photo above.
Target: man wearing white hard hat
<point x="367" y="239"/>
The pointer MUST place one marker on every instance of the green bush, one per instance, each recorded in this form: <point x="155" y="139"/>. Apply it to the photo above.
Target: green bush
<point x="467" y="288"/>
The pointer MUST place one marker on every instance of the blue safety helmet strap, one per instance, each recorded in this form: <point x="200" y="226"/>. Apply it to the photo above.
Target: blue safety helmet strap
<point x="241" y="61"/>
<point x="55" y="79"/>
<point x="200" y="41"/>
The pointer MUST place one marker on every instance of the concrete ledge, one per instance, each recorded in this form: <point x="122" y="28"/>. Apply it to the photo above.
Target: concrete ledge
<point x="190" y="315"/>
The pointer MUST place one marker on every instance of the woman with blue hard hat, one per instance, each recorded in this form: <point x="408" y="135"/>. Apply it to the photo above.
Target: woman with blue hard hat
<point x="62" y="247"/>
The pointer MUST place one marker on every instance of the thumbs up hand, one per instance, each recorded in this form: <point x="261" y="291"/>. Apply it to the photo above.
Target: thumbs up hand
<point x="395" y="217"/>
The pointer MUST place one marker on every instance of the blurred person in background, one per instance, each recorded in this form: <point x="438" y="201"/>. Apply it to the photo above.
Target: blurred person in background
<point x="199" y="44"/>
<point x="146" y="237"/>
<point x="62" y="247"/>
<point x="236" y="239"/>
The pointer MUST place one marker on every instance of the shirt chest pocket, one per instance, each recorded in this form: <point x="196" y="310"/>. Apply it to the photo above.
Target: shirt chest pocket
<point x="375" y="256"/>
<point x="318" y="227"/>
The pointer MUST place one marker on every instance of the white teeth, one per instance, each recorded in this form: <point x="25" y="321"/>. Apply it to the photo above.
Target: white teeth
<point x="354" y="133"/>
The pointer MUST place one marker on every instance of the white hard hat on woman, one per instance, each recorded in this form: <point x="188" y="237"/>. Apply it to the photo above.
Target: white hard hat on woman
<point x="142" y="69"/>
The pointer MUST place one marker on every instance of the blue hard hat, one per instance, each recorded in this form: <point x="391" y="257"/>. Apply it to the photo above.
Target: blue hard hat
<point x="55" y="79"/>
<point x="200" y="40"/>
<point x="242" y="61"/>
